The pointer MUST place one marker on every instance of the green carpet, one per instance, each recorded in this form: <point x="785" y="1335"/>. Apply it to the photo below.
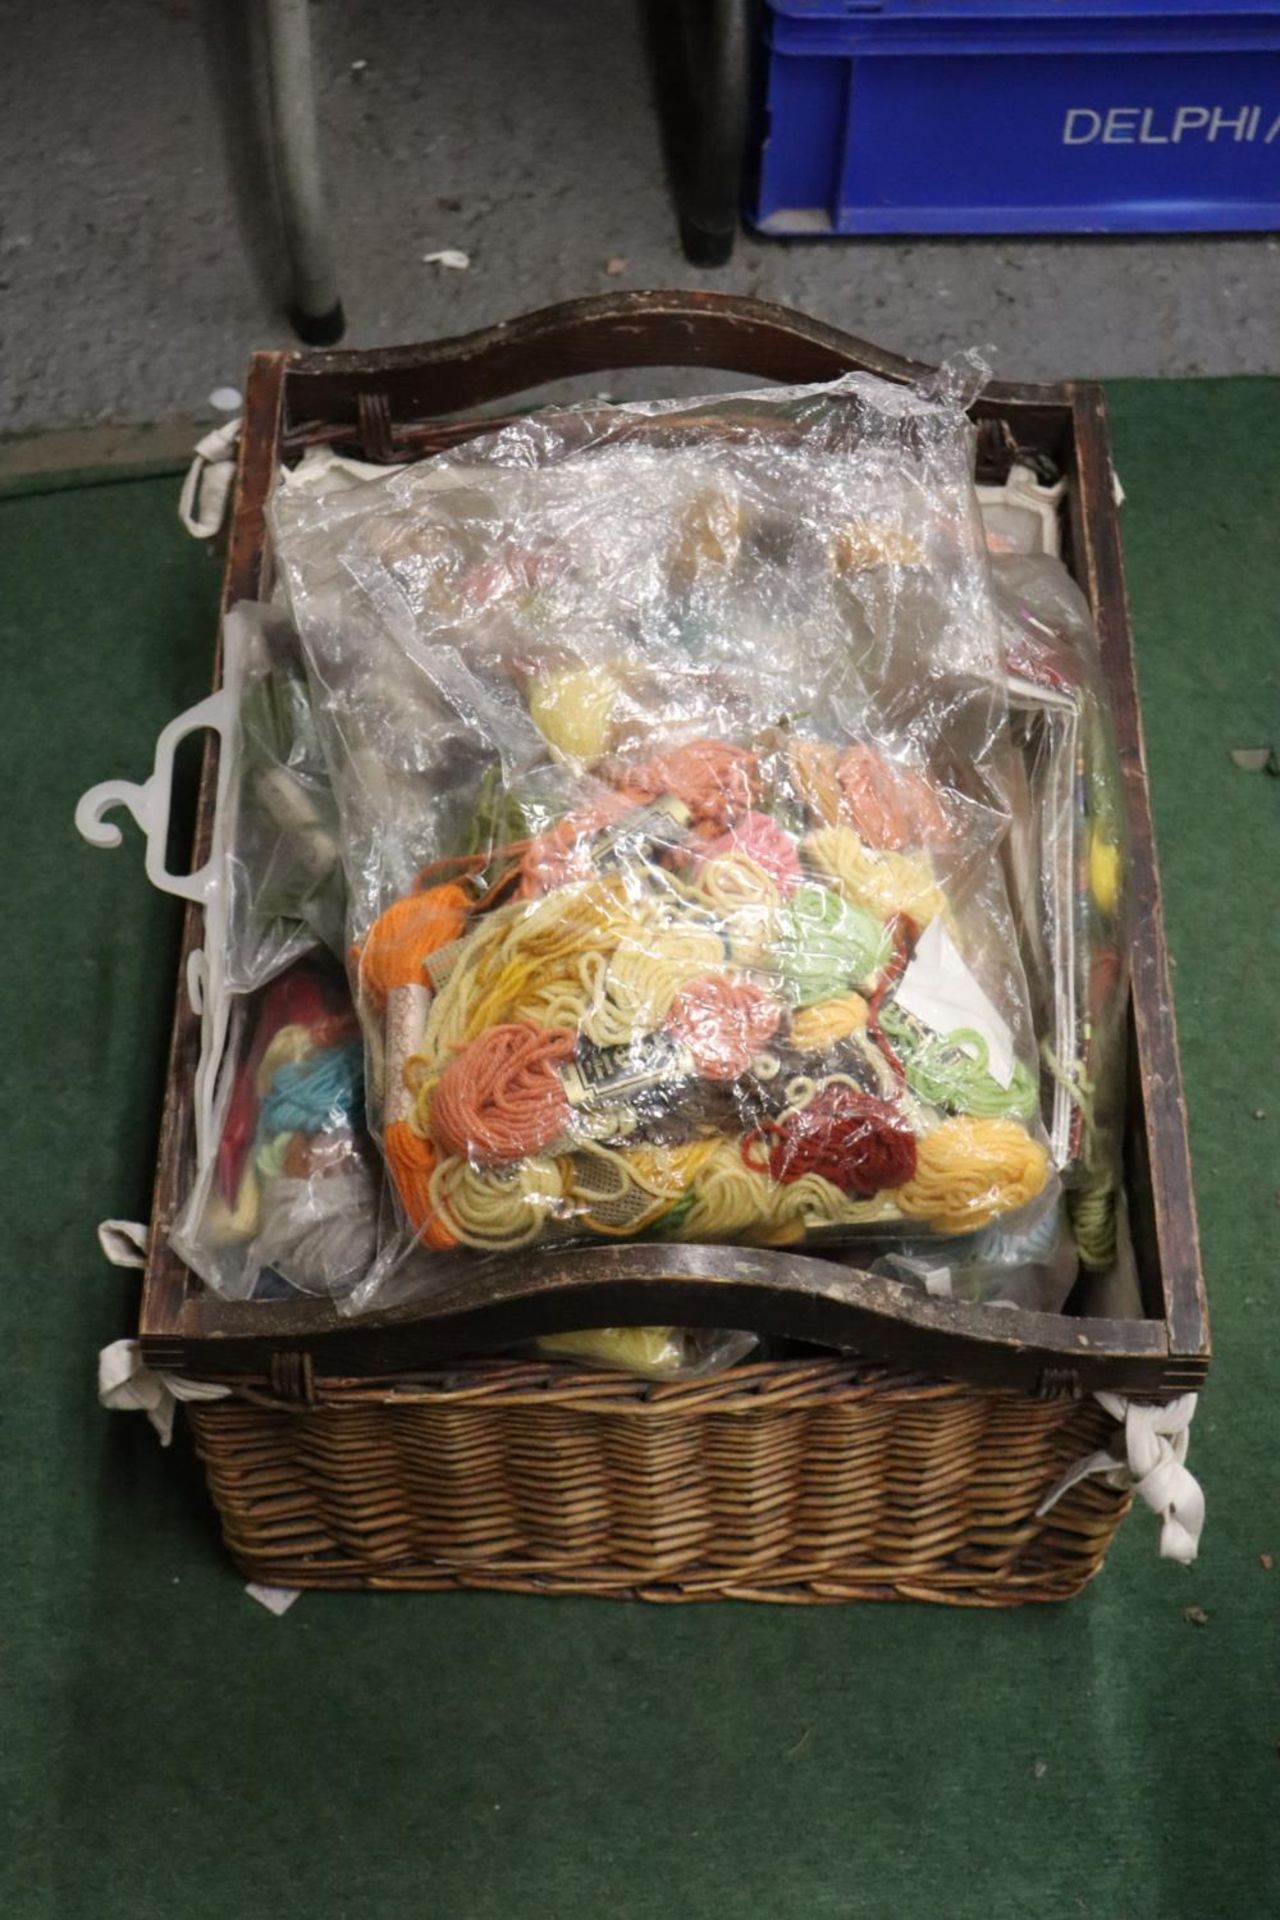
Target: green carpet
<point x="173" y="1750"/>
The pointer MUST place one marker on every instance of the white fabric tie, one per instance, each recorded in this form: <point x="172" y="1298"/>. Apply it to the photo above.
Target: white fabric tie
<point x="203" y="500"/>
<point x="127" y="1385"/>
<point x="124" y="1242"/>
<point x="1152" y="1465"/>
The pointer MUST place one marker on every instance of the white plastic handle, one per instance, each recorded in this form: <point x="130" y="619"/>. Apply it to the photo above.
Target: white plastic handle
<point x="150" y="803"/>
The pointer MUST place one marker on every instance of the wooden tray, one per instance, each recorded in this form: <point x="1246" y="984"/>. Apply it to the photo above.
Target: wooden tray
<point x="385" y="404"/>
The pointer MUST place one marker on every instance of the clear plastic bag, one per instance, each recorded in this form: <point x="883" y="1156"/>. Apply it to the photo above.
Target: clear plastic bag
<point x="1067" y="865"/>
<point x="1034" y="1266"/>
<point x="285" y="886"/>
<point x="670" y="745"/>
<point x="285" y="1195"/>
<point x="288" y="1200"/>
<point x="651" y="1353"/>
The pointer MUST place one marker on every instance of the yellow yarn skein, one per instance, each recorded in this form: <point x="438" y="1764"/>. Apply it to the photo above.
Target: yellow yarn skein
<point x="653" y="1352"/>
<point x="572" y="708"/>
<point x="814" y="1029"/>
<point x="884" y="883"/>
<point x="1104" y="872"/>
<point x="970" y="1169"/>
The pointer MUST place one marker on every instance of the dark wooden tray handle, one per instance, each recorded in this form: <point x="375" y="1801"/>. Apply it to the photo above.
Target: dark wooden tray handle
<point x="604" y="334"/>
<point x="769" y="1292"/>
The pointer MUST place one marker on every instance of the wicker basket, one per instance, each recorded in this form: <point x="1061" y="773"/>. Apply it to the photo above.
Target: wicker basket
<point x="384" y="1453"/>
<point x="794" y="1481"/>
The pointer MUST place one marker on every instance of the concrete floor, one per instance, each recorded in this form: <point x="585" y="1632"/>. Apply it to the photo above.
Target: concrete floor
<point x="137" y="262"/>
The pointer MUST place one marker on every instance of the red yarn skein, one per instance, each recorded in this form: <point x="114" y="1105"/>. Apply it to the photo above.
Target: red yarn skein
<point x="501" y="1098"/>
<point x="858" y="1143"/>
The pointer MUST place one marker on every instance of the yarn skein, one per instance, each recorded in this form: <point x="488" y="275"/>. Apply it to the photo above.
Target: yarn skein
<point x="393" y="973"/>
<point x="724" y="1023"/>
<point x="815" y="779"/>
<point x="319" y="1234"/>
<point x="501" y="1098"/>
<point x="714" y="779"/>
<point x="572" y="708"/>
<point x="407" y="934"/>
<point x="1094" y="1222"/>
<point x="970" y="1169"/>
<point x="308" y="1155"/>
<point x="760" y="838"/>
<point x="1105" y="870"/>
<point x="710" y="529"/>
<point x="293" y="1042"/>
<point x="272" y="1155"/>
<point x="884" y="883"/>
<point x="891" y="807"/>
<point x="825" y="946"/>
<point x="313" y="1095"/>
<point x="952" y="1071"/>
<point x="816" y="1028"/>
<point x="563" y="854"/>
<point x="860" y="1144"/>
<point x="411" y="1161"/>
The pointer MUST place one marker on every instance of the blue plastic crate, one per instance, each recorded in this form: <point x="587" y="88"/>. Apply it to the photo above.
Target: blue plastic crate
<point x="1031" y="116"/>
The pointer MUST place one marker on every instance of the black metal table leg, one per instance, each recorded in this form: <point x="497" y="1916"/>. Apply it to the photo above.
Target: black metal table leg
<point x="716" y="46"/>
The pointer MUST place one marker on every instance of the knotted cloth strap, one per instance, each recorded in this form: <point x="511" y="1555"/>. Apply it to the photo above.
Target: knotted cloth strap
<point x="1150" y="1460"/>
<point x="127" y="1385"/>
<point x="203" y="501"/>
<point x="124" y="1242"/>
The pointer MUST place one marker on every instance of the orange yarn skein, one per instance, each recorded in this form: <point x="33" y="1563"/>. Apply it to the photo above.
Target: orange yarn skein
<point x="501" y="1098"/>
<point x="891" y="807"/>
<point x="408" y="933"/>
<point x="716" y="780"/>
<point x="412" y="1161"/>
<point x="562" y="854"/>
<point x="391" y="959"/>
<point x="724" y="1024"/>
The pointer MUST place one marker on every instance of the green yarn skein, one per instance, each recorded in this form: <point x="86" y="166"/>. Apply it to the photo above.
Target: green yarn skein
<point x="825" y="946"/>
<point x="1093" y="1221"/>
<point x="951" y="1071"/>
